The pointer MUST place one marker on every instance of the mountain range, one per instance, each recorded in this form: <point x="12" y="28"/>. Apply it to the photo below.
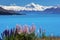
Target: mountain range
<point x="32" y="7"/>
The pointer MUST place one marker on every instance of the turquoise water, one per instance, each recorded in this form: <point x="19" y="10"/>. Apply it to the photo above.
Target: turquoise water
<point x="49" y="22"/>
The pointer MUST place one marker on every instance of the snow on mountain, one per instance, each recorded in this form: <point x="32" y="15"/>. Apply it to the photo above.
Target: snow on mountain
<point x="15" y="8"/>
<point x="28" y="7"/>
<point x="38" y="7"/>
<point x="35" y="7"/>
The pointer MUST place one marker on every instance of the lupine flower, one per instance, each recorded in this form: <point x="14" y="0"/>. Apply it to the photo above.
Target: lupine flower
<point x="25" y="30"/>
<point x="52" y="34"/>
<point x="12" y="31"/>
<point x="6" y="33"/>
<point x="17" y="29"/>
<point x="32" y="29"/>
<point x="43" y="34"/>
<point x="38" y="33"/>
<point x="20" y="30"/>
<point x="17" y="26"/>
<point x="0" y="39"/>
<point x="40" y="30"/>
<point x="44" y="31"/>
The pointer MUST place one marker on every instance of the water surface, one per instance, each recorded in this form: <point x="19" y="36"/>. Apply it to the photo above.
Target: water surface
<point x="49" y="22"/>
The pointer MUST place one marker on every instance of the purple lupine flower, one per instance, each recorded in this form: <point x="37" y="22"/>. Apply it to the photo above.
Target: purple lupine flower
<point x="11" y="32"/>
<point x="40" y="30"/>
<point x="52" y="35"/>
<point x="44" y="31"/>
<point x="6" y="33"/>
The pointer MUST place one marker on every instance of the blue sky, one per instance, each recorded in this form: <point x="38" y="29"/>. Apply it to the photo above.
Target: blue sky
<point x="24" y="2"/>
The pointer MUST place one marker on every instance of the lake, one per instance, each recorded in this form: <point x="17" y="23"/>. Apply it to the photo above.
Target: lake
<point x="49" y="22"/>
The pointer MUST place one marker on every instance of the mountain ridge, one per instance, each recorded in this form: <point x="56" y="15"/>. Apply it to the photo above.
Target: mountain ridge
<point x="32" y="7"/>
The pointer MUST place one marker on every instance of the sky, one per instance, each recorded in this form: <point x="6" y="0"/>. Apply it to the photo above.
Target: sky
<point x="24" y="2"/>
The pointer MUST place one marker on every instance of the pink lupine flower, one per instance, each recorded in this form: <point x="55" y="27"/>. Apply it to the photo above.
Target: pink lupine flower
<point x="17" y="27"/>
<point x="25" y="30"/>
<point x="20" y="30"/>
<point x="32" y="29"/>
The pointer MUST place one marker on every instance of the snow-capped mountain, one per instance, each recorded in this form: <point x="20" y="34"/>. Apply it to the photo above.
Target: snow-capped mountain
<point x="30" y="8"/>
<point x="35" y="7"/>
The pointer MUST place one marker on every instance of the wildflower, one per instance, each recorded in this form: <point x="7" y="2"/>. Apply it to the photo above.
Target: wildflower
<point x="12" y="31"/>
<point x="6" y="33"/>
<point x="17" y="29"/>
<point x="25" y="30"/>
<point x="40" y="30"/>
<point x="38" y="33"/>
<point x="32" y="29"/>
<point x="43" y="34"/>
<point x="52" y="34"/>
<point x="20" y="30"/>
<point x="44" y="31"/>
<point x="17" y="26"/>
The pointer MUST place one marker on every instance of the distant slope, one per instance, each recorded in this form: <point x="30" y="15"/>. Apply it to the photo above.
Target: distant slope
<point x="53" y="10"/>
<point x="8" y="12"/>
